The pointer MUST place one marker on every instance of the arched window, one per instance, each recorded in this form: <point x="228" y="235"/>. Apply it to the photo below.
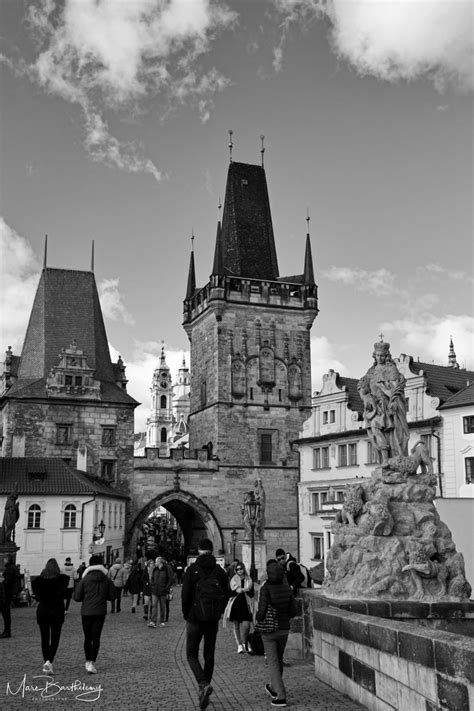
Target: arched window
<point x="70" y="516"/>
<point x="163" y="402"/>
<point x="163" y="434"/>
<point x="34" y="516"/>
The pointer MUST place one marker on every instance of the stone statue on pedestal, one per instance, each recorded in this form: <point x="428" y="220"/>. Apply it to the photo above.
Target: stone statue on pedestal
<point x="389" y="541"/>
<point x="10" y="517"/>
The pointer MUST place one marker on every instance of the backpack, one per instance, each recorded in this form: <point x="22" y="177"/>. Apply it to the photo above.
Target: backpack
<point x="209" y="598"/>
<point x="306" y="583"/>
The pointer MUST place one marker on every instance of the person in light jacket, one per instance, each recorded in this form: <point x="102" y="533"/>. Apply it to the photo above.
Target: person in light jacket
<point x="93" y="590"/>
<point x="118" y="575"/>
<point x="240" y="608"/>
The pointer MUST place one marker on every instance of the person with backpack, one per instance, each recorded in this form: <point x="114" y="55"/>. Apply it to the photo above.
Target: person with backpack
<point x="276" y="596"/>
<point x="118" y="575"/>
<point x="294" y="575"/>
<point x="203" y="599"/>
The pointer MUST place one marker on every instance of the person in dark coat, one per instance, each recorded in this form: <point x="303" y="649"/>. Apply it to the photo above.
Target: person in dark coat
<point x="93" y="590"/>
<point x="161" y="582"/>
<point x="196" y="629"/>
<point x="11" y="587"/>
<point x="49" y="589"/>
<point x="135" y="583"/>
<point x="278" y="593"/>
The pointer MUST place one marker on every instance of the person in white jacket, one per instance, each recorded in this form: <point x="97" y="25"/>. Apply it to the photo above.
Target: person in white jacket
<point x="241" y="607"/>
<point x="118" y="575"/>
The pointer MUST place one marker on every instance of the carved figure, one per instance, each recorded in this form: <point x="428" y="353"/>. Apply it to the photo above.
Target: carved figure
<point x="10" y="517"/>
<point x="353" y="505"/>
<point x="421" y="566"/>
<point x="260" y="496"/>
<point x="382" y="390"/>
<point x="248" y="496"/>
<point x="380" y="520"/>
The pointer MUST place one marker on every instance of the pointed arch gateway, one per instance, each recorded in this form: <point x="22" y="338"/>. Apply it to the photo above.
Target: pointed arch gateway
<point x="193" y="516"/>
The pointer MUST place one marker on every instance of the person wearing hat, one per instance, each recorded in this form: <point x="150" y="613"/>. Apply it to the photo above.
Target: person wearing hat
<point x="93" y="590"/>
<point x="204" y="597"/>
<point x="69" y="570"/>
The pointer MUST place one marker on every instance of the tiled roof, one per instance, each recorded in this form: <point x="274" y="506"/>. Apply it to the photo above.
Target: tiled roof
<point x="31" y="389"/>
<point x="443" y="381"/>
<point x="48" y="476"/>
<point x="463" y="397"/>
<point x="247" y="242"/>
<point x="66" y="308"/>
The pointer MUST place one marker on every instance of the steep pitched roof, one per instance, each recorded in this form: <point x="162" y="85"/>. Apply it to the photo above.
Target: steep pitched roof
<point x="443" y="381"/>
<point x="48" y="476"/>
<point x="66" y="308"/>
<point x="463" y="397"/>
<point x="247" y="243"/>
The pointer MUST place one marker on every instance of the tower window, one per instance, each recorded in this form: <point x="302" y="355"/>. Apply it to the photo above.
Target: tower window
<point x="78" y="381"/>
<point x="163" y="402"/>
<point x="203" y="393"/>
<point x="70" y="516"/>
<point x="63" y="434"/>
<point x="268" y="445"/>
<point x="108" y="436"/>
<point x="468" y="424"/>
<point x="107" y="469"/>
<point x="469" y="464"/>
<point x="163" y="434"/>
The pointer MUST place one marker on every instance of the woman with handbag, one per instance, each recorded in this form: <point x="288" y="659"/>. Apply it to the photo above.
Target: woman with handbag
<point x="276" y="605"/>
<point x="240" y="608"/>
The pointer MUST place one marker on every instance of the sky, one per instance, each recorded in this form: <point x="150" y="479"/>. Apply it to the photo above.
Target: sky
<point x="114" y="125"/>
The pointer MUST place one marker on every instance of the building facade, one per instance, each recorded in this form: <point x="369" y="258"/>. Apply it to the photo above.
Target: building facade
<point x="335" y="448"/>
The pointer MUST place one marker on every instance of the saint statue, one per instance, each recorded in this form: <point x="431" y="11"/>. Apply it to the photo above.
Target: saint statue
<point x="10" y="517"/>
<point x="260" y="497"/>
<point x="382" y="390"/>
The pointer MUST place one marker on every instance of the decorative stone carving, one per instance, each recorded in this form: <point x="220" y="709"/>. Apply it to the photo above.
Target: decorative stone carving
<point x="10" y="517"/>
<point x="389" y="541"/>
<point x="239" y="385"/>
<point x="295" y="383"/>
<point x="267" y="366"/>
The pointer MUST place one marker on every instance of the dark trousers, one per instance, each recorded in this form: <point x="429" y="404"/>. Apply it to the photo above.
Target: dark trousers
<point x="7" y="615"/>
<point x="118" y="599"/>
<point x="67" y="598"/>
<point x="50" y="629"/>
<point x="92" y="626"/>
<point x="195" y="631"/>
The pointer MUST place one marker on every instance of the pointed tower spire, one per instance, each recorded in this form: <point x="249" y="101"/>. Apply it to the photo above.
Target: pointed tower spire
<point x="45" y="259"/>
<point x="218" y="266"/>
<point x="452" y="362"/>
<point x="231" y="145"/>
<point x="191" y="288"/>
<point x="92" y="257"/>
<point x="262" y="149"/>
<point x="308" y="257"/>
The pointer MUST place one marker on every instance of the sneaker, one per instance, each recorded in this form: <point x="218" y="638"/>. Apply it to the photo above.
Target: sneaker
<point x="93" y="670"/>
<point x="162" y="624"/>
<point x="240" y="649"/>
<point x="151" y="624"/>
<point x="278" y="702"/>
<point x="5" y="635"/>
<point x="48" y="668"/>
<point x="87" y="664"/>
<point x="270" y="691"/>
<point x="204" y="694"/>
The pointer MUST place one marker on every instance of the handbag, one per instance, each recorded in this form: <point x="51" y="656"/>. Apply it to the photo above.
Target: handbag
<point x="169" y="596"/>
<point x="269" y="622"/>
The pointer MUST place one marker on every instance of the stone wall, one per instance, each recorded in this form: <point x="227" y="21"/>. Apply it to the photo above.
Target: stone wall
<point x="388" y="664"/>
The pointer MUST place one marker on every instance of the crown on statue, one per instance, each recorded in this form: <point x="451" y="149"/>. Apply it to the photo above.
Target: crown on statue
<point x="381" y="347"/>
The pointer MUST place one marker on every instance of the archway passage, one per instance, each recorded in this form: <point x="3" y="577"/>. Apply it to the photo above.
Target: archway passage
<point x="194" y="518"/>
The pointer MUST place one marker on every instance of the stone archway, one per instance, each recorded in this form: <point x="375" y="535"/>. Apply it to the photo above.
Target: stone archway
<point x="194" y="517"/>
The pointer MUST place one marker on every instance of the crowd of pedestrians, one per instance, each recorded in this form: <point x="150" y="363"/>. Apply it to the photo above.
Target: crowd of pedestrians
<point x="209" y="593"/>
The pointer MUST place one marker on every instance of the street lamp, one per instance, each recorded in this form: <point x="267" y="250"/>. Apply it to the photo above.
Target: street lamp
<point x="233" y="535"/>
<point x="101" y="528"/>
<point x="252" y="507"/>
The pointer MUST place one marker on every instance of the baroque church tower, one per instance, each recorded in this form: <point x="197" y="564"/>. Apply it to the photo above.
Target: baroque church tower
<point x="249" y="331"/>
<point x="160" y="422"/>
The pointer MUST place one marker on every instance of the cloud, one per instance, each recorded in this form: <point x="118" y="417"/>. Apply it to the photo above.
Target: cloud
<point x="322" y="359"/>
<point x="111" y="302"/>
<point x="427" y="337"/>
<point x="109" y="55"/>
<point x="380" y="281"/>
<point x="139" y="371"/>
<point x="20" y="274"/>
<point x="437" y="271"/>
<point x="396" y="39"/>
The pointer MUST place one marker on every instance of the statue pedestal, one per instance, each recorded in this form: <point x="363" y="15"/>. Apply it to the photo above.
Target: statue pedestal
<point x="8" y="549"/>
<point x="260" y="556"/>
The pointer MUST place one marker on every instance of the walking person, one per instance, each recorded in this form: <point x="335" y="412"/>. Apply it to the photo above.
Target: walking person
<point x="294" y="576"/>
<point x="169" y="596"/>
<point x="161" y="582"/>
<point x="277" y="593"/>
<point x="135" y="584"/>
<point x="240" y="608"/>
<point x="11" y="587"/>
<point x="49" y="589"/>
<point x="204" y="597"/>
<point x="118" y="575"/>
<point x="147" y="598"/>
<point x="179" y="572"/>
<point x="69" y="570"/>
<point x="93" y="590"/>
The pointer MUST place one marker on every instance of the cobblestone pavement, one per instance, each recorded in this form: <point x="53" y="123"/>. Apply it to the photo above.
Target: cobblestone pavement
<point x="144" y="669"/>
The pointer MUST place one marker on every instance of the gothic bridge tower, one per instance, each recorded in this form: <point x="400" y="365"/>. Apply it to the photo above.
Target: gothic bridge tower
<point x="249" y="331"/>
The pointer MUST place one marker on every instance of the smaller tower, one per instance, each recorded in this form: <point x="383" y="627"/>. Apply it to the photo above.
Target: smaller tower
<point x="452" y="362"/>
<point x="160" y="422"/>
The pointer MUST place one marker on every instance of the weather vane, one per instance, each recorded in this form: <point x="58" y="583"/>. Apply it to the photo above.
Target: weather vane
<point x="262" y="149"/>
<point x="307" y="219"/>
<point x="231" y="145"/>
